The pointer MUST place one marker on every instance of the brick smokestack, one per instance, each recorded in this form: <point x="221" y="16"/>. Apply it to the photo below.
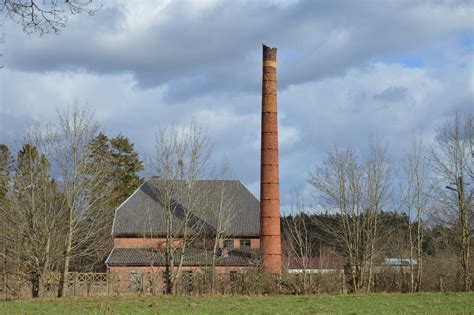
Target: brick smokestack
<point x="270" y="241"/>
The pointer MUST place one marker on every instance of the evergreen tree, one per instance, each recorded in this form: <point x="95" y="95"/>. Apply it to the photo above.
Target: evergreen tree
<point x="102" y="152"/>
<point x="120" y="165"/>
<point x="123" y="162"/>
<point x="127" y="165"/>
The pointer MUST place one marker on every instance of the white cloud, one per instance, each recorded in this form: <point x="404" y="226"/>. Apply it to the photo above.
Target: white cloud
<point x="287" y="136"/>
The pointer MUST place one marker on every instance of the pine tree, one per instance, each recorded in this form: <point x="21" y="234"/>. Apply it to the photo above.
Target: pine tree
<point x="127" y="165"/>
<point x="102" y="151"/>
<point x="120" y="165"/>
<point x="124" y="165"/>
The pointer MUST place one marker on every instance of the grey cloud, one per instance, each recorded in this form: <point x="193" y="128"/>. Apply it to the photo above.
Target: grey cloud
<point x="218" y="50"/>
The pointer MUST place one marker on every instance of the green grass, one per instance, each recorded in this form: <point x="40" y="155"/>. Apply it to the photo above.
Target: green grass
<point x="424" y="303"/>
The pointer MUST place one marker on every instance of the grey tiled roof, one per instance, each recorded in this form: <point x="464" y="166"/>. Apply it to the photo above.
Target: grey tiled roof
<point x="143" y="212"/>
<point x="192" y="257"/>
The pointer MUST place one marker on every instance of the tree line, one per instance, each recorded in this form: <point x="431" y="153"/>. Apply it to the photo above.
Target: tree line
<point x="59" y="191"/>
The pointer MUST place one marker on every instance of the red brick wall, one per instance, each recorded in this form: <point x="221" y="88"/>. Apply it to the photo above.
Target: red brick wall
<point x="160" y="242"/>
<point x="254" y="242"/>
<point x="141" y="242"/>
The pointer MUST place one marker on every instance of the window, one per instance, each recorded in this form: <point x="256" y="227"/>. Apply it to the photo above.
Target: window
<point x="229" y="244"/>
<point x="244" y="243"/>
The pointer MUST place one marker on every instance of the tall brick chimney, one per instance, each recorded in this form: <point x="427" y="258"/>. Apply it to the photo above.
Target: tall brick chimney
<point x="270" y="242"/>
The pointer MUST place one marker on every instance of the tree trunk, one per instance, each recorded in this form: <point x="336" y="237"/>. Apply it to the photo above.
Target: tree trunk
<point x="419" y="262"/>
<point x="181" y="260"/>
<point x="412" y="267"/>
<point x="465" y="239"/>
<point x="169" y="259"/>
<point x="65" y="268"/>
<point x="35" y="284"/>
<point x="371" y="260"/>
<point x="213" y="267"/>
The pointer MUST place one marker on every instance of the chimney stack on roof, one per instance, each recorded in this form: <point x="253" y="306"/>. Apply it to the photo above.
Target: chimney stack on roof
<point x="270" y="240"/>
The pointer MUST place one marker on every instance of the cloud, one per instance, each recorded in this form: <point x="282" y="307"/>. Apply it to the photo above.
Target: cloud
<point x="346" y="70"/>
<point x="197" y="48"/>
<point x="392" y="94"/>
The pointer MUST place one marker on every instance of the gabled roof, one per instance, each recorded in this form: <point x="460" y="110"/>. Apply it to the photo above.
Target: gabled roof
<point x="193" y="257"/>
<point x="143" y="213"/>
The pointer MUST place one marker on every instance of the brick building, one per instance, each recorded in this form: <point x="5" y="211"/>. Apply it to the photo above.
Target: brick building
<point x="139" y="229"/>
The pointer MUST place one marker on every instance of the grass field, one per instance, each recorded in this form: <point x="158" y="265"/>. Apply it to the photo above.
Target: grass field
<point x="425" y="303"/>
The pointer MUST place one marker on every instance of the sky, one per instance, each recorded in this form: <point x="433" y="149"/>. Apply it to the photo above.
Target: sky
<point x="347" y="71"/>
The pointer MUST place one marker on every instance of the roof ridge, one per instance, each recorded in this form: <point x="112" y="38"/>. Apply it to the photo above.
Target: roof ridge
<point x="197" y="180"/>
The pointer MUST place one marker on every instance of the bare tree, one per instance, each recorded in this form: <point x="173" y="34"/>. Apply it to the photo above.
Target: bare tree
<point x="31" y="215"/>
<point x="453" y="160"/>
<point x="357" y="192"/>
<point x="340" y="185"/>
<point x="181" y="158"/>
<point x="415" y="193"/>
<point x="300" y="242"/>
<point x="378" y="175"/>
<point x="223" y="215"/>
<point x="44" y="16"/>
<point x="85" y="186"/>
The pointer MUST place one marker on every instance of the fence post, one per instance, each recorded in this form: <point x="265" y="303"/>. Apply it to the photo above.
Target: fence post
<point x="441" y="289"/>
<point x="143" y="282"/>
<point x="74" y="284"/>
<point x="108" y="282"/>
